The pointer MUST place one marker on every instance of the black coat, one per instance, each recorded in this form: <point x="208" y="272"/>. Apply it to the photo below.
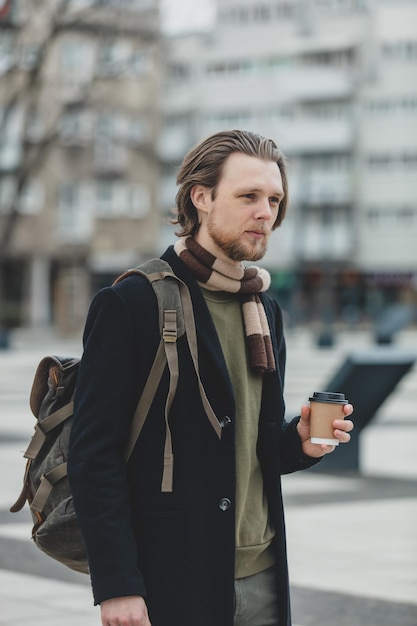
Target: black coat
<point x="176" y="549"/>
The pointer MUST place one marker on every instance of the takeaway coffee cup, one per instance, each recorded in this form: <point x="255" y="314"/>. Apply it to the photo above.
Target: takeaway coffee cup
<point x="325" y="407"/>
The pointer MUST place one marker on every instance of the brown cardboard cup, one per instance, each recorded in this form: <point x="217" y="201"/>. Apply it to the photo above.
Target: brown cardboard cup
<point x="325" y="407"/>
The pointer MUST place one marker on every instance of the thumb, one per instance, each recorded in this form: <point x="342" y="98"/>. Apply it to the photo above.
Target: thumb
<point x="303" y="425"/>
<point x="305" y="414"/>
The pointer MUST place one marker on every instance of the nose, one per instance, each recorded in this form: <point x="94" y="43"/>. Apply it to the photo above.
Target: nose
<point x="264" y="210"/>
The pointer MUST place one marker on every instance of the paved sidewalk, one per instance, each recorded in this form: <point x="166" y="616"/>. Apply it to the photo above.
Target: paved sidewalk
<point x="32" y="601"/>
<point x="352" y="540"/>
<point x="352" y="548"/>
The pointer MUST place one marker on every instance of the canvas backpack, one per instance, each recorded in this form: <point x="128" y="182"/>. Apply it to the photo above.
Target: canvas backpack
<point x="45" y="484"/>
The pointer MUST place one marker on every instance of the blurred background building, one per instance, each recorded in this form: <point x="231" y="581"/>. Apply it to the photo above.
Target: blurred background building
<point x="98" y="106"/>
<point x="334" y="82"/>
<point x="79" y="114"/>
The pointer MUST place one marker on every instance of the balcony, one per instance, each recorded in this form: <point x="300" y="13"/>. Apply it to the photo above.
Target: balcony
<point x="318" y="188"/>
<point x="282" y="86"/>
<point x="315" y="83"/>
<point x="321" y="135"/>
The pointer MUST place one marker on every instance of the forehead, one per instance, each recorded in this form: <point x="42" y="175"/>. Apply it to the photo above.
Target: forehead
<point x="241" y="169"/>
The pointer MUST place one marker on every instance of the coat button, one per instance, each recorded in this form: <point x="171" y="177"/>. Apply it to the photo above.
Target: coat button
<point x="225" y="504"/>
<point x="225" y="421"/>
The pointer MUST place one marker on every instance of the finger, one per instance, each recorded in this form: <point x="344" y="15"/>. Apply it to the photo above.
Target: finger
<point x="342" y="429"/>
<point x="345" y="425"/>
<point x="343" y="436"/>
<point x="305" y="412"/>
<point x="348" y="409"/>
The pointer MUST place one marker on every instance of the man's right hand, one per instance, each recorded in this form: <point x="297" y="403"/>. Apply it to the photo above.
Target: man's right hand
<point x="125" y="611"/>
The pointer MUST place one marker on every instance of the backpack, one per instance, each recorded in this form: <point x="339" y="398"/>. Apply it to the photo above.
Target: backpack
<point x="45" y="484"/>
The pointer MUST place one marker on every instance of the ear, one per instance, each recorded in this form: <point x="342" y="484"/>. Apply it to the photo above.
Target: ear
<point x="200" y="196"/>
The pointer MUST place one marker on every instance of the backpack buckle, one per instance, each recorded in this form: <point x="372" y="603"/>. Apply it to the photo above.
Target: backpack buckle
<point x="169" y="330"/>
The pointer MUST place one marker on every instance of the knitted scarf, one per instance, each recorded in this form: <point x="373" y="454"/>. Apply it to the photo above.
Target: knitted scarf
<point x="217" y="275"/>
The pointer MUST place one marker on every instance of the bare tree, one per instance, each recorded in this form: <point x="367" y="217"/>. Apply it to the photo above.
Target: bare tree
<point x="23" y="84"/>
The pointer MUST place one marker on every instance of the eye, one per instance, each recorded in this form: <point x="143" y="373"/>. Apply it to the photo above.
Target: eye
<point x="249" y="196"/>
<point x="275" y="200"/>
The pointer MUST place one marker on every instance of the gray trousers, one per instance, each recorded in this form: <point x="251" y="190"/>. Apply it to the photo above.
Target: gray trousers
<point x="256" y="600"/>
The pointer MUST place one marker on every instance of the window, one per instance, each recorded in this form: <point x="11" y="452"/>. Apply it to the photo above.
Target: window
<point x="139" y="131"/>
<point x="400" y="216"/>
<point x="135" y="4"/>
<point x="114" y="58"/>
<point x="342" y="6"/>
<point x="400" y="50"/>
<point x="332" y="58"/>
<point x="74" y="223"/>
<point x="231" y="119"/>
<point x="104" y="199"/>
<point x="138" y="201"/>
<point x="231" y="66"/>
<point x="35" y="125"/>
<point x="379" y="161"/>
<point x="7" y="193"/>
<point x="326" y="110"/>
<point x="178" y="71"/>
<point x="77" y="60"/>
<point x="277" y="62"/>
<point x="327" y="163"/>
<point x="7" y="53"/>
<point x="76" y="126"/>
<point x="262" y="13"/>
<point x="120" y="199"/>
<point x="32" y="198"/>
<point x="110" y="157"/>
<point x="29" y="57"/>
<point x="383" y="162"/>
<point x="10" y="153"/>
<point x="11" y="140"/>
<point x="105" y="126"/>
<point x="285" y="10"/>
<point x="140" y="62"/>
<point x="242" y="14"/>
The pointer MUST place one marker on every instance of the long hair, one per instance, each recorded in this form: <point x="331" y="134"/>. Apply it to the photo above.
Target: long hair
<point x="203" y="165"/>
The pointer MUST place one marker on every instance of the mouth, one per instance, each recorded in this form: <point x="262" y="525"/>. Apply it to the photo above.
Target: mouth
<point x="257" y="234"/>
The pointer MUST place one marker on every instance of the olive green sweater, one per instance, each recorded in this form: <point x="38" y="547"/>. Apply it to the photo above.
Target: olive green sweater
<point x="253" y="532"/>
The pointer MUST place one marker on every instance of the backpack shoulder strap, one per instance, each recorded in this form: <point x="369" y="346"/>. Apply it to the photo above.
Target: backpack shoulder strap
<point x="176" y="318"/>
<point x="166" y="291"/>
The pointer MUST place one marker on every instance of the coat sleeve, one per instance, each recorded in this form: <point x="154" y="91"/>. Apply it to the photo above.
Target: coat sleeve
<point x="292" y="455"/>
<point x="291" y="452"/>
<point x="106" y="396"/>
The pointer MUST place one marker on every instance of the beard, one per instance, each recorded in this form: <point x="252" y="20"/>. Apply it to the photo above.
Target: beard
<point x="235" y="249"/>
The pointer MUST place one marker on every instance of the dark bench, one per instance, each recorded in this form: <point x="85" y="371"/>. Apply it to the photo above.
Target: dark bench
<point x="366" y="378"/>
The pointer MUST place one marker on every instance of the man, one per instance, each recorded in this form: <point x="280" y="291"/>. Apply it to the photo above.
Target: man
<point x="212" y="551"/>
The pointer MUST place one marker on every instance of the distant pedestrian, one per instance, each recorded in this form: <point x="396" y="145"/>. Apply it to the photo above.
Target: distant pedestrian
<point x="211" y="552"/>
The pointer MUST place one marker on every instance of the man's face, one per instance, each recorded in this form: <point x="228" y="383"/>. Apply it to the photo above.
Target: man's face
<point x="237" y="223"/>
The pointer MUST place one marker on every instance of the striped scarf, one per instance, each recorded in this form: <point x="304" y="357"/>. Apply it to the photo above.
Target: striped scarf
<point x="217" y="275"/>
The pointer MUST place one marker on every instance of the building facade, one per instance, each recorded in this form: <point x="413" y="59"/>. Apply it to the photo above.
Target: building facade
<point x="80" y="83"/>
<point x="87" y="174"/>
<point x="334" y="82"/>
